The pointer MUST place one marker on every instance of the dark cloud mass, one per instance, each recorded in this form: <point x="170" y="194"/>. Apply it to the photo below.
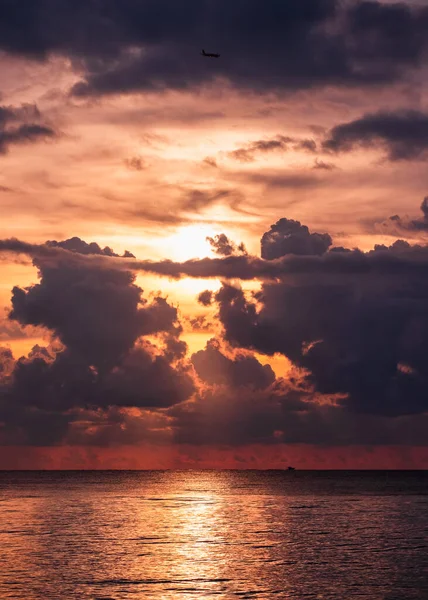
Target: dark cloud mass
<point x="290" y="237"/>
<point x="97" y="313"/>
<point x="79" y="246"/>
<point x="100" y="317"/>
<point x="20" y="125"/>
<point x="402" y="134"/>
<point x="205" y="298"/>
<point x="213" y="367"/>
<point x="353" y="324"/>
<point x="225" y="247"/>
<point x="122" y="45"/>
<point x="360" y="334"/>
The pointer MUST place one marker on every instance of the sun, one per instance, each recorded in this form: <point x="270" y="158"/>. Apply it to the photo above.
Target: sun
<point x="189" y="242"/>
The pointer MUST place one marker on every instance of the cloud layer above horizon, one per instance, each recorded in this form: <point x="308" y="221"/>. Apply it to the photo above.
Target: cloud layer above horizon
<point x="353" y="326"/>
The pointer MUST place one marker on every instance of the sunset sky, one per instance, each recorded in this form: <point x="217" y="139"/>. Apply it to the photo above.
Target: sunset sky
<point x="213" y="263"/>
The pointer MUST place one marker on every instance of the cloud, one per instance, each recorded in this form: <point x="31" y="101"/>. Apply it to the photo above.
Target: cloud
<point x="7" y="364"/>
<point x="281" y="179"/>
<point x="143" y="380"/>
<point x="246" y="154"/>
<point x="280" y="142"/>
<point x="101" y="359"/>
<point x="205" y="298"/>
<point x="290" y="237"/>
<point x="403" y="135"/>
<point x="211" y="162"/>
<point x="12" y="331"/>
<point x="215" y="368"/>
<point x="196" y="200"/>
<point x="96" y="313"/>
<point x="364" y="339"/>
<point x="322" y="165"/>
<point x="361" y="333"/>
<point x="135" y="163"/>
<point x="201" y="323"/>
<point x="400" y="225"/>
<point x="398" y="259"/>
<point x="17" y="126"/>
<point x="124" y="46"/>
<point x="246" y="405"/>
<point x="79" y="246"/>
<point x="353" y="324"/>
<point x="239" y="401"/>
<point x="225" y="247"/>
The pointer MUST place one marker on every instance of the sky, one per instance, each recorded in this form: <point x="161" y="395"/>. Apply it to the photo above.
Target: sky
<point x="213" y="263"/>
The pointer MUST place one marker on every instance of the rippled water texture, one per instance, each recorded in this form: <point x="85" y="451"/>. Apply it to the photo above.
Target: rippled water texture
<point x="297" y="535"/>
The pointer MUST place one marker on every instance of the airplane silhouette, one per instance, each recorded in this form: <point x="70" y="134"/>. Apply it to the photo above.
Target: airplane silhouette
<point x="210" y="55"/>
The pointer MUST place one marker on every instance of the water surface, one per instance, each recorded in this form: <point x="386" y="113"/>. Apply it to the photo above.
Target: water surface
<point x="292" y="535"/>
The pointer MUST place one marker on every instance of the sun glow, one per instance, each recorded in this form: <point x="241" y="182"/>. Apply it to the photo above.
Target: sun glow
<point x="190" y="242"/>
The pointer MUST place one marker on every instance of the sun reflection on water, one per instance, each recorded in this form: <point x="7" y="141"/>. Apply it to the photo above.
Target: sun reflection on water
<point x="210" y="534"/>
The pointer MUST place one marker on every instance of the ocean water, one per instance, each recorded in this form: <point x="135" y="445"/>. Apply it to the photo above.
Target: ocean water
<point x="214" y="534"/>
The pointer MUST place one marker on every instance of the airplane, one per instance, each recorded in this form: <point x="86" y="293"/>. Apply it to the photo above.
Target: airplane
<point x="211" y="55"/>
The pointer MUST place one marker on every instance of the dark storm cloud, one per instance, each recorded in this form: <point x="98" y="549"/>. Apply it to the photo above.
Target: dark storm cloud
<point x="402" y="134"/>
<point x="79" y="246"/>
<point x="97" y="313"/>
<point x="398" y="259"/>
<point x="100" y="317"/>
<point x="222" y="417"/>
<point x="15" y="246"/>
<point x="42" y="400"/>
<point x="225" y="247"/>
<point x="205" y="298"/>
<point x="290" y="237"/>
<point x="122" y="45"/>
<point x="354" y="324"/>
<point x="361" y="333"/>
<point x="239" y="406"/>
<point x="18" y="126"/>
<point x="352" y="337"/>
<point x="215" y="368"/>
<point x="239" y="402"/>
<point x="24" y="134"/>
<point x="73" y="251"/>
<point x="146" y="381"/>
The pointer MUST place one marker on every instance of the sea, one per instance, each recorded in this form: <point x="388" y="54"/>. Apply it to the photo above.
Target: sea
<point x="292" y="535"/>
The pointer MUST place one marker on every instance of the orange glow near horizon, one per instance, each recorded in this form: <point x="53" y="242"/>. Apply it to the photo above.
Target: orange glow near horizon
<point x="280" y="456"/>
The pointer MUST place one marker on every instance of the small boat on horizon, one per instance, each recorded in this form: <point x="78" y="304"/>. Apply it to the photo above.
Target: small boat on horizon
<point x="291" y="469"/>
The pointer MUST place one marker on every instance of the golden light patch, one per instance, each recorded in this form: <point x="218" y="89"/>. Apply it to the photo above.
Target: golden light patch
<point x="280" y="364"/>
<point x="23" y="347"/>
<point x="197" y="340"/>
<point x="190" y="242"/>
